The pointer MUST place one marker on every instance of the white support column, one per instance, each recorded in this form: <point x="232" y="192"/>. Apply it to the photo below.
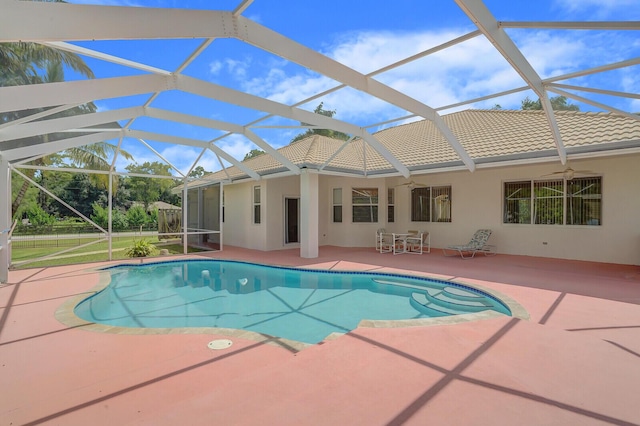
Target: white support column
<point x="5" y="219"/>
<point x="221" y="215"/>
<point x="185" y="217"/>
<point x="200" y="237"/>
<point x="309" y="214"/>
<point x="110" y="217"/>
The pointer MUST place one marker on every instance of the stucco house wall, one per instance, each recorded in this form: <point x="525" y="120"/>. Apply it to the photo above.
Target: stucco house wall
<point x="238" y="227"/>
<point x="278" y="190"/>
<point x="347" y="233"/>
<point x="477" y="202"/>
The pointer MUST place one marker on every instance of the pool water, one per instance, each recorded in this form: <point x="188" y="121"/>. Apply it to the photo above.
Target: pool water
<point x="296" y="304"/>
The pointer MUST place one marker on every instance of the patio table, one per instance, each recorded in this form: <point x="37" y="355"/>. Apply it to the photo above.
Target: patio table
<point x="396" y="237"/>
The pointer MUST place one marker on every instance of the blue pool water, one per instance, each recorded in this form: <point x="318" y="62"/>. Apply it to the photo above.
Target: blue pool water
<point x="296" y="304"/>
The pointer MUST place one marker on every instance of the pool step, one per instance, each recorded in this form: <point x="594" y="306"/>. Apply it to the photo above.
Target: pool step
<point x="420" y="302"/>
<point x="437" y="302"/>
<point x="462" y="294"/>
<point x="448" y="300"/>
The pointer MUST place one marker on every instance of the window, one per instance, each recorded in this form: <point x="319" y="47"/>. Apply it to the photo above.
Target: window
<point x="223" y="206"/>
<point x="337" y="205"/>
<point x="256" y="204"/>
<point x="547" y="202"/>
<point x="365" y="204"/>
<point x="554" y="202"/>
<point x="517" y="202"/>
<point x="391" y="210"/>
<point x="431" y="204"/>
<point x="584" y="201"/>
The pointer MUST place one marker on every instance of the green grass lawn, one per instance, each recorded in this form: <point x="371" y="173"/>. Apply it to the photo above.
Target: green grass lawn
<point x="94" y="253"/>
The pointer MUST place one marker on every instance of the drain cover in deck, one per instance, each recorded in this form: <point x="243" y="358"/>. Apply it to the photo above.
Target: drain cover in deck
<point x="220" y="344"/>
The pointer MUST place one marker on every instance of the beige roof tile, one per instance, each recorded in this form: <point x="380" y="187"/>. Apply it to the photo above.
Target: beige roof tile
<point x="484" y="134"/>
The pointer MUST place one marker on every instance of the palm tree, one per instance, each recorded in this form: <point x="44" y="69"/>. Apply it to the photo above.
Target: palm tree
<point x="19" y="65"/>
<point x="20" y="62"/>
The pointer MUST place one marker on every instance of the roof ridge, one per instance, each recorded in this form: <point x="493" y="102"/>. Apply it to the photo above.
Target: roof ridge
<point x="532" y="111"/>
<point x="310" y="154"/>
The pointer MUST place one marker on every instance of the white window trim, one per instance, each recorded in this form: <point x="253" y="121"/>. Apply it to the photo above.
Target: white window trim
<point x="255" y="203"/>
<point x="565" y="198"/>
<point x="377" y="205"/>
<point x="334" y="205"/>
<point x="431" y="199"/>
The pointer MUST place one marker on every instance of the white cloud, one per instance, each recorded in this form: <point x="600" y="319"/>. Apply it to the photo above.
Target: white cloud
<point x="598" y="9"/>
<point x="465" y="71"/>
<point x="631" y="84"/>
<point x="280" y="87"/>
<point x="101" y="106"/>
<point x="236" y="145"/>
<point x="180" y="156"/>
<point x="183" y="157"/>
<point x="440" y="79"/>
<point x="548" y="57"/>
<point x="236" y="68"/>
<point x="215" y="67"/>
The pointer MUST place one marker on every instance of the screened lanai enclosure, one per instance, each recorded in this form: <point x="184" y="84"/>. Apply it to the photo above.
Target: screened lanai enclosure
<point x="204" y="213"/>
<point x="194" y="89"/>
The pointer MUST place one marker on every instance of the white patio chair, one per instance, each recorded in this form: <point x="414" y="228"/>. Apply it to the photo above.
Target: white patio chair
<point x="387" y="243"/>
<point x="379" y="233"/>
<point x="417" y="243"/>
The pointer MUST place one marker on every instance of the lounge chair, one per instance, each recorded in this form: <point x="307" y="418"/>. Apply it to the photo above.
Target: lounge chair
<point x="477" y="244"/>
<point x="418" y="242"/>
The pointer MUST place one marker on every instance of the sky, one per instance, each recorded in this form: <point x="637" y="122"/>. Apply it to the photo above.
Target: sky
<point x="367" y="39"/>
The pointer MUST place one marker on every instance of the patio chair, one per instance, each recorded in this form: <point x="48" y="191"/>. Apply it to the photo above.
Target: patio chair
<point x="417" y="242"/>
<point x="379" y="233"/>
<point x="477" y="244"/>
<point x="387" y="243"/>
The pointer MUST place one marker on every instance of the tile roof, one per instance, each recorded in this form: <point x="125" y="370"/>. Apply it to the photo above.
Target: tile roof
<point x="486" y="135"/>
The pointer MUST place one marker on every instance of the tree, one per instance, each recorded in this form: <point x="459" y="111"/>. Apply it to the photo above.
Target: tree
<point x="37" y="216"/>
<point x="137" y="216"/>
<point x="198" y="172"/>
<point x="324" y="132"/>
<point x="81" y="194"/>
<point x="101" y="217"/>
<point x="20" y="62"/>
<point x="253" y="154"/>
<point x="17" y="69"/>
<point x="558" y="103"/>
<point x="148" y="189"/>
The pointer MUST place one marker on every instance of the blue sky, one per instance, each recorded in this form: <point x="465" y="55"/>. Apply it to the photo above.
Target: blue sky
<point x="366" y="39"/>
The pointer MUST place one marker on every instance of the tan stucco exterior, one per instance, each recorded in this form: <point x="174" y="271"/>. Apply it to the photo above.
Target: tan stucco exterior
<point x="476" y="203"/>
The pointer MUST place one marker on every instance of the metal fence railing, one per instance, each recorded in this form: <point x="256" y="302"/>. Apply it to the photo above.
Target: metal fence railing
<point x="47" y="236"/>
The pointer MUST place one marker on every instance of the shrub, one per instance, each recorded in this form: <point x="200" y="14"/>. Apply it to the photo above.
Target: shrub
<point x="119" y="221"/>
<point x="37" y="216"/>
<point x="136" y="216"/>
<point x="101" y="217"/>
<point x="153" y="217"/>
<point x="140" y="248"/>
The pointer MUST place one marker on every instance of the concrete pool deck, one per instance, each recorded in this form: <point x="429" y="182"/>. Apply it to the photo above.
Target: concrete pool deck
<point x="575" y="361"/>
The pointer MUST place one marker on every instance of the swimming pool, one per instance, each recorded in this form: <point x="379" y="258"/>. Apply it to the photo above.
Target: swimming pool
<point x="297" y="304"/>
